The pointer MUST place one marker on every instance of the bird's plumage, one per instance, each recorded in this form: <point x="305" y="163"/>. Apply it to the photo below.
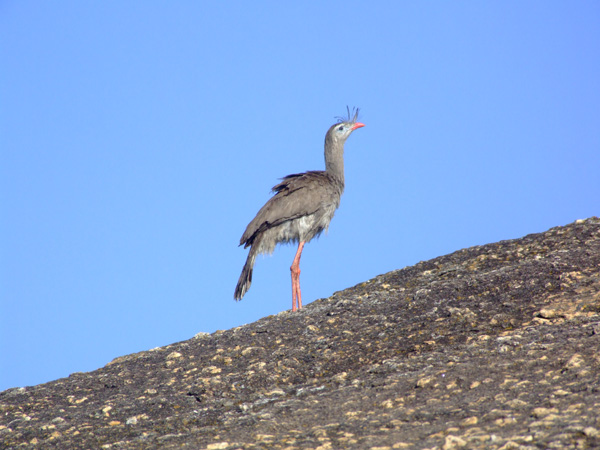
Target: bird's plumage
<point x="302" y="206"/>
<point x="301" y="209"/>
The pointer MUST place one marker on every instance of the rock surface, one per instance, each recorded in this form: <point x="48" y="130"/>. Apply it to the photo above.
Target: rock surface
<point x="494" y="347"/>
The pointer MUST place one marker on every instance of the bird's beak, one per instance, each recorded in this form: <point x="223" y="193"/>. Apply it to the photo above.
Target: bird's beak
<point x="358" y="125"/>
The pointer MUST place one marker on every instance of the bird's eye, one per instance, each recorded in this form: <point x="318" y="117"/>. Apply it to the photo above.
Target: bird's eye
<point x="341" y="128"/>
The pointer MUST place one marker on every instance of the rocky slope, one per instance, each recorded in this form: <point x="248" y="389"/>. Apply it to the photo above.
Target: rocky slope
<point x="494" y="347"/>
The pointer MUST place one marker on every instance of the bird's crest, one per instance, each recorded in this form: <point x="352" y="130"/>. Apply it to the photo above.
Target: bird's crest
<point x="352" y="116"/>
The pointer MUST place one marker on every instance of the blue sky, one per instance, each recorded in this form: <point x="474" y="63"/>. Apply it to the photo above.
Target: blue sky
<point x="138" y="139"/>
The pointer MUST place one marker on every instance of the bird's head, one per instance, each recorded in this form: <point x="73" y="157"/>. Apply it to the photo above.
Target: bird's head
<point x="345" y="126"/>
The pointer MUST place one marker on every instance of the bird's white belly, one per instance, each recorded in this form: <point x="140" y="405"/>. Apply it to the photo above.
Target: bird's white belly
<point x="303" y="229"/>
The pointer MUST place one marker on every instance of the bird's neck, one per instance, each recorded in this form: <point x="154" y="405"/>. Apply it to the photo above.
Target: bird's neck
<point x="334" y="159"/>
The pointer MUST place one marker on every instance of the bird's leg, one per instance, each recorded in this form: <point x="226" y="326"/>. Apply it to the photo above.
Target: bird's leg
<point x="295" y="269"/>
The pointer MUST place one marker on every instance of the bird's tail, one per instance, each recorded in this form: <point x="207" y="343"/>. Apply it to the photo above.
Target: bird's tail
<point x="245" y="280"/>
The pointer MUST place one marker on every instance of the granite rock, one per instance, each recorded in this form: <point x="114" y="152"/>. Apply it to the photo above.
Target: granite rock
<point x="495" y="347"/>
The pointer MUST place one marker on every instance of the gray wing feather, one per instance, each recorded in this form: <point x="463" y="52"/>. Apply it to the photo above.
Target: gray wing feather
<point x="297" y="196"/>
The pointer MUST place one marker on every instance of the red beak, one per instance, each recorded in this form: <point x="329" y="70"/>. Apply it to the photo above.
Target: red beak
<point x="358" y="125"/>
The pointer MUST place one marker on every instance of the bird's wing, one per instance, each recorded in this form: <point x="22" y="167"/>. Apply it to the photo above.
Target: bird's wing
<point x="296" y="196"/>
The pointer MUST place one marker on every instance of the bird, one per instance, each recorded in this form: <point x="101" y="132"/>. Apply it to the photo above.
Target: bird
<point x="301" y="208"/>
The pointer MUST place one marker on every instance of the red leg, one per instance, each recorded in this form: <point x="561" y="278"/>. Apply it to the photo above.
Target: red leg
<point x="295" y="269"/>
